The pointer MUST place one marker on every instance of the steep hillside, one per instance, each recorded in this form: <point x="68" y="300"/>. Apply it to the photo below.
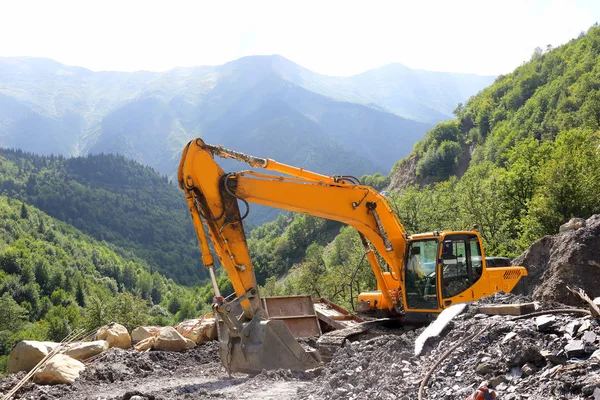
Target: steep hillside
<point x="525" y="150"/>
<point x="50" y="108"/>
<point x="112" y="199"/>
<point x="54" y="279"/>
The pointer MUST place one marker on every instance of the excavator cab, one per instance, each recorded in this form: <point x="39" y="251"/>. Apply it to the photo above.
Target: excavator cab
<point x="444" y="268"/>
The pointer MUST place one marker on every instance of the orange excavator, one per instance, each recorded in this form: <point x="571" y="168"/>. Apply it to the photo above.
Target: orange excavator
<point x="425" y="272"/>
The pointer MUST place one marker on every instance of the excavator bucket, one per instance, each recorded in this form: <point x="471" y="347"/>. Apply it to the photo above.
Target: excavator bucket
<point x="263" y="344"/>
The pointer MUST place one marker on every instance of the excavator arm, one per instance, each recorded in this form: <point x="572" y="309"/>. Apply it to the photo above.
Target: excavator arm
<point x="212" y="196"/>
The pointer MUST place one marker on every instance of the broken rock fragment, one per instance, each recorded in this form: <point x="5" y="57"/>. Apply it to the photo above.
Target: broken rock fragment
<point x="545" y="323"/>
<point x="575" y="348"/>
<point x="145" y="344"/>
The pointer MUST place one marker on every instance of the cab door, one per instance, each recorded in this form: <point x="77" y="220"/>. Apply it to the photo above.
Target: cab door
<point x="460" y="266"/>
<point x="420" y="275"/>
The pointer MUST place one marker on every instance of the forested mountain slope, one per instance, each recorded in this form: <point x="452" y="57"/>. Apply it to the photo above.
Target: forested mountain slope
<point x="260" y="102"/>
<point x="54" y="279"/>
<point x="112" y="199"/>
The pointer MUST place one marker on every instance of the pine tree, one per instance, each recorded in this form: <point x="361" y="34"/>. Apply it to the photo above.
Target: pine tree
<point x="24" y="212"/>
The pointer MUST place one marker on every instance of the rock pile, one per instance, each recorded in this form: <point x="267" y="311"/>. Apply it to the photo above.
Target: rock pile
<point x="571" y="257"/>
<point x="550" y="356"/>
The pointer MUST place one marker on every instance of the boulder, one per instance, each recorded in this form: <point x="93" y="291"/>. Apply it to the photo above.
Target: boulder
<point x="170" y="340"/>
<point x="85" y="350"/>
<point x="27" y="354"/>
<point x="145" y="344"/>
<point x="198" y="330"/>
<point x="143" y="332"/>
<point x="568" y="258"/>
<point x="59" y="369"/>
<point x="115" y="334"/>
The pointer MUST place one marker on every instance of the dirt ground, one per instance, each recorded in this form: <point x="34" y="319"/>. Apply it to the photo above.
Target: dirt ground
<point x="528" y="358"/>
<point x="552" y="356"/>
<point x="194" y="374"/>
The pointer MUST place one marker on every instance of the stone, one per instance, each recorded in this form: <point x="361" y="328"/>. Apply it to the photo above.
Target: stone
<point x="170" y="340"/>
<point x="145" y="344"/>
<point x="509" y="336"/>
<point x="484" y="367"/>
<point x="198" y="330"/>
<point x="585" y="326"/>
<point x="572" y="328"/>
<point x="115" y="334"/>
<point x="555" y="357"/>
<point x="495" y="381"/>
<point x="143" y="332"/>
<point x="85" y="350"/>
<point x="545" y="323"/>
<point x="573" y="224"/>
<point x="190" y="344"/>
<point x="27" y="354"/>
<point x="528" y="369"/>
<point x="59" y="369"/>
<point x="575" y="348"/>
<point x="589" y="337"/>
<point x="588" y="390"/>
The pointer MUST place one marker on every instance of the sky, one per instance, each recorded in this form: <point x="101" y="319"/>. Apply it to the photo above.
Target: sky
<point x="331" y="37"/>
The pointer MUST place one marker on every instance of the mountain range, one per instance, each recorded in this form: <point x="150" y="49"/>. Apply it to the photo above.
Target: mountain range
<point x="263" y="105"/>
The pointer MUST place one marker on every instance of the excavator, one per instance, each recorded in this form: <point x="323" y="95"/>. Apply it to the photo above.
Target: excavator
<point x="422" y="274"/>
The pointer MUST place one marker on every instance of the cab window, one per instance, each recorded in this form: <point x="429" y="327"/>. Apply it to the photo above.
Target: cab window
<point x="476" y="258"/>
<point x="420" y="274"/>
<point x="461" y="264"/>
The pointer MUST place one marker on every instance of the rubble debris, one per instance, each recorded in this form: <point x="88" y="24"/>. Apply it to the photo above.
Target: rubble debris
<point x="546" y="323"/>
<point x="517" y="360"/>
<point x="27" y="353"/>
<point x="571" y="257"/>
<point x="59" y="369"/>
<point x="115" y="334"/>
<point x="85" y="350"/>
